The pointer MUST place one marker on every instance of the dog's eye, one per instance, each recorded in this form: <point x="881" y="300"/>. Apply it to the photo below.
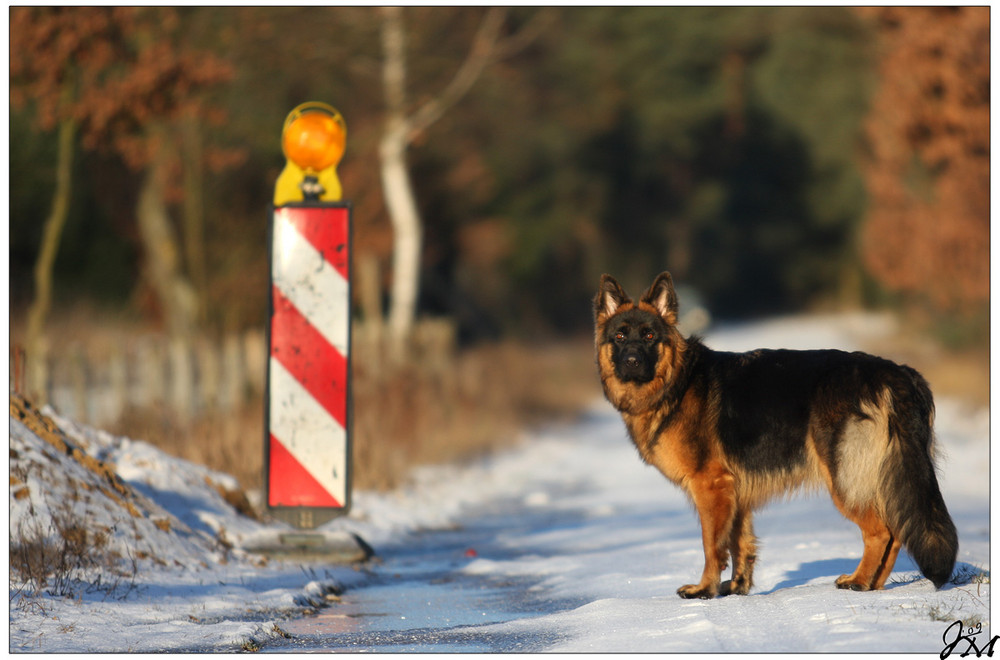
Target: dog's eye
<point x="619" y="336"/>
<point x="649" y="335"/>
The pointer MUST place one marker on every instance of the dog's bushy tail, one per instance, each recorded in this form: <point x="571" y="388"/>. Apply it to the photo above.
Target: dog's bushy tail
<point x="911" y="498"/>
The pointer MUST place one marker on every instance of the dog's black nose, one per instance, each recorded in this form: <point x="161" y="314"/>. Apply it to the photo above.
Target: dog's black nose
<point x="632" y="362"/>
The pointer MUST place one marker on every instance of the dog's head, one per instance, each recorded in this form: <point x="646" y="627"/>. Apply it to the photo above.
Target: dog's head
<point x="638" y="345"/>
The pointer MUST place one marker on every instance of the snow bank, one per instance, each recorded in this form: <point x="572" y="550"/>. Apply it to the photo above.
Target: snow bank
<point x="154" y="564"/>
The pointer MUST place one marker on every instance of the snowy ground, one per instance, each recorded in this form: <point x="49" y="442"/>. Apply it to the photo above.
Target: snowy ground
<point x="575" y="547"/>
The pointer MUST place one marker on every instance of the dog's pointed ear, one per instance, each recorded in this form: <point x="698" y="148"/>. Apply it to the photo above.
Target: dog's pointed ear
<point x="662" y="296"/>
<point x="610" y="296"/>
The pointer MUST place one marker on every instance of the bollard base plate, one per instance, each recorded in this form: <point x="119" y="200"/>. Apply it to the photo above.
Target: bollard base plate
<point x="311" y="546"/>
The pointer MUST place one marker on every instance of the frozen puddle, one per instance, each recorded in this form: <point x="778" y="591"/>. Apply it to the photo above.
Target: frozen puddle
<point x="427" y="596"/>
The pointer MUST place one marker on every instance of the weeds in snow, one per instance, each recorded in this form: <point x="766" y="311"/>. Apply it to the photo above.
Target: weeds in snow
<point x="945" y="614"/>
<point x="250" y="646"/>
<point x="65" y="559"/>
<point x="968" y="574"/>
<point x="964" y="574"/>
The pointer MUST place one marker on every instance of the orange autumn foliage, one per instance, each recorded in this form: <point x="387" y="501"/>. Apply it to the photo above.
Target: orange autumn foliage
<point x="928" y="174"/>
<point x="124" y="66"/>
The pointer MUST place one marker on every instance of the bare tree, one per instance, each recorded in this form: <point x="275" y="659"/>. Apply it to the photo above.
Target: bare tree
<point x="403" y="127"/>
<point x="49" y="52"/>
<point x="37" y="348"/>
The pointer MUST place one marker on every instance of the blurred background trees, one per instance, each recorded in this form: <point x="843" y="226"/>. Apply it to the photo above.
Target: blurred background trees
<point x="119" y="78"/>
<point x="775" y="159"/>
<point x="928" y="159"/>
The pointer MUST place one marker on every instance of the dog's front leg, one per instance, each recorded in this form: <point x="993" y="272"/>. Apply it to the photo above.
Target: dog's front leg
<point x="713" y="492"/>
<point x="743" y="550"/>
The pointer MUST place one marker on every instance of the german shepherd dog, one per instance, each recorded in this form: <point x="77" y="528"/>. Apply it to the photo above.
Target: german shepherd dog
<point x="735" y="430"/>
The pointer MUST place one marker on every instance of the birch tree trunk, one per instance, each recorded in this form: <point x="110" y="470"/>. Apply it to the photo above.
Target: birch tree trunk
<point x="407" y="240"/>
<point x="398" y="193"/>
<point x="163" y="254"/>
<point x="400" y="130"/>
<point x="194" y="212"/>
<point x="36" y="344"/>
<point x="164" y="267"/>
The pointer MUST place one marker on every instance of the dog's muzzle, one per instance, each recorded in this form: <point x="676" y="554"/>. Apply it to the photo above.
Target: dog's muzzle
<point x="633" y="366"/>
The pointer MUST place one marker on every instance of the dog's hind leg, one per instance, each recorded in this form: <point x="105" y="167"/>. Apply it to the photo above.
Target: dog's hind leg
<point x="862" y="447"/>
<point x="713" y="493"/>
<point x="888" y="562"/>
<point x="881" y="549"/>
<point x="743" y="550"/>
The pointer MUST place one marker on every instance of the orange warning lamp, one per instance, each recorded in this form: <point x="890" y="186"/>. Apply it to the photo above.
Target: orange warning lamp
<point x="313" y="141"/>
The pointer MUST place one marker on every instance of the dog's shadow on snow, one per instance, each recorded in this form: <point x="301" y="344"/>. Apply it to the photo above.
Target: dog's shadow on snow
<point x="905" y="572"/>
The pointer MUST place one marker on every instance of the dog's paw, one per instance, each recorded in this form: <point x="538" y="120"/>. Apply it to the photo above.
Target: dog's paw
<point x="845" y="582"/>
<point x="739" y="587"/>
<point x="697" y="591"/>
